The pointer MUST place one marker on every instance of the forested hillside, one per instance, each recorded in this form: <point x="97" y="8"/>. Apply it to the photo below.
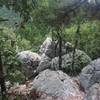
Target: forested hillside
<point x="36" y="35"/>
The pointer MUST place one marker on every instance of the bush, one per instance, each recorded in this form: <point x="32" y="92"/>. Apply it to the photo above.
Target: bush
<point x="10" y="44"/>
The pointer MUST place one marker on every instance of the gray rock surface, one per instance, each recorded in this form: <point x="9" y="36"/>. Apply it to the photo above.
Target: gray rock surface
<point x="44" y="63"/>
<point x="90" y="74"/>
<point x="56" y="84"/>
<point x="48" y="85"/>
<point x="93" y="93"/>
<point x="29" y="60"/>
<point x="81" y="60"/>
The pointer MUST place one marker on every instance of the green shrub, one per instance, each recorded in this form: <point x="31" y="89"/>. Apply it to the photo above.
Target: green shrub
<point x="10" y="44"/>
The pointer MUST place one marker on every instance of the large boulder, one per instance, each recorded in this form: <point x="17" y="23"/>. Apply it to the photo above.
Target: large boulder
<point x="48" y="85"/>
<point x="81" y="59"/>
<point x="55" y="85"/>
<point x="29" y="60"/>
<point x="93" y="93"/>
<point x="90" y="74"/>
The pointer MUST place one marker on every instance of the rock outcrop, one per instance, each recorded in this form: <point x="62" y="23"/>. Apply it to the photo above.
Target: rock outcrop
<point x="48" y="59"/>
<point x="90" y="74"/>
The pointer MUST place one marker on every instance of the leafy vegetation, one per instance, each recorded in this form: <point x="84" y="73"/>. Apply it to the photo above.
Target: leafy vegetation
<point x="11" y="44"/>
<point x="89" y="37"/>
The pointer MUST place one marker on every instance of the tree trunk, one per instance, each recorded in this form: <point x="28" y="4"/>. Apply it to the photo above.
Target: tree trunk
<point x="2" y="80"/>
<point x="75" y="46"/>
<point x="60" y="50"/>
